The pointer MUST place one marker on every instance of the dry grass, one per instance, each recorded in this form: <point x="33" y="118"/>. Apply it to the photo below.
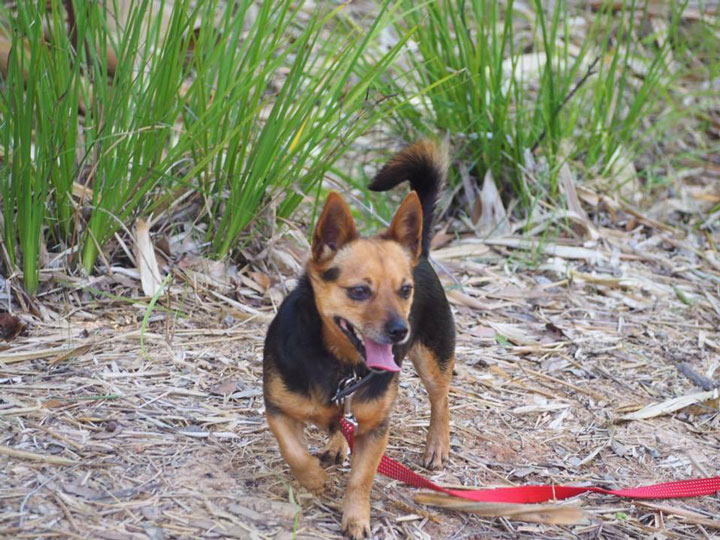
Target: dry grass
<point x="124" y="418"/>
<point x="109" y="431"/>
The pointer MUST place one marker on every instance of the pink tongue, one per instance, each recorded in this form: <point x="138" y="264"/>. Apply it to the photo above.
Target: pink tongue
<point x="379" y="356"/>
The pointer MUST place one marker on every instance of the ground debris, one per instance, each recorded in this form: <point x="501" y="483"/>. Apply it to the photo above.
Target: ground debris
<point x="104" y="416"/>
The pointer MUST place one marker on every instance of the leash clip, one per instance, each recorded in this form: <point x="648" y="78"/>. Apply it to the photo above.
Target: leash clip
<point x="341" y="396"/>
<point x="348" y="414"/>
<point x="344" y="393"/>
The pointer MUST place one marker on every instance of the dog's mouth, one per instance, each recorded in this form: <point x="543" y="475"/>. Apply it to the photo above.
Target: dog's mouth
<point x="377" y="356"/>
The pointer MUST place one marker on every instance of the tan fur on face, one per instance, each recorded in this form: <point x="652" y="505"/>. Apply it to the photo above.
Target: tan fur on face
<point x="384" y="266"/>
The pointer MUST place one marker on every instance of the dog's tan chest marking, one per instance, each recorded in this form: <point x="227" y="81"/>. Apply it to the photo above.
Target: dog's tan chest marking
<point x="370" y="414"/>
<point x="373" y="413"/>
<point x="301" y="408"/>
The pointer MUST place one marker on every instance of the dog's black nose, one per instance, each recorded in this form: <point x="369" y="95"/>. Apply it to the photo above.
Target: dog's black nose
<point x="396" y="329"/>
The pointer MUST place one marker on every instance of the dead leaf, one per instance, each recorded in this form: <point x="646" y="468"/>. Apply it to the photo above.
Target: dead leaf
<point x="457" y="297"/>
<point x="567" y="186"/>
<point x="163" y="244"/>
<point x="440" y="239"/>
<point x="72" y="353"/>
<point x="671" y="405"/>
<point x="153" y="531"/>
<point x="6" y="47"/>
<point x="146" y="260"/>
<point x="262" y="279"/>
<point x="10" y="326"/>
<point x="461" y="251"/>
<point x="482" y="332"/>
<point x="493" y="218"/>
<point x="517" y="334"/>
<point x="540" y="407"/>
<point x="618" y="448"/>
<point x="554" y="250"/>
<point x="555" y="514"/>
<point x="225" y="388"/>
<point x="54" y="404"/>
<point x="82" y="192"/>
<point x="688" y="516"/>
<point x="623" y="175"/>
<point x="81" y="491"/>
<point x="280" y="510"/>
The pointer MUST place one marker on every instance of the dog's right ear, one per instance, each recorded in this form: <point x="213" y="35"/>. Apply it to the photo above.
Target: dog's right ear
<point x="334" y="228"/>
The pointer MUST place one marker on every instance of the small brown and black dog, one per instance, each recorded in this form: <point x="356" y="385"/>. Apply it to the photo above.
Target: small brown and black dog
<point x="363" y="304"/>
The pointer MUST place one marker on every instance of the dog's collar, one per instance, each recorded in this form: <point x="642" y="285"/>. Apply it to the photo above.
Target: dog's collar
<point x="351" y="384"/>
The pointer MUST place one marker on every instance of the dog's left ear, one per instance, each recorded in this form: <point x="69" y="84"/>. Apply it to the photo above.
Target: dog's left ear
<point x="406" y="226"/>
<point x="335" y="228"/>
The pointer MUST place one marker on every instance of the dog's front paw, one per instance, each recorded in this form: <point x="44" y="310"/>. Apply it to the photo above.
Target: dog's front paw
<point x="336" y="449"/>
<point x="356" y="514"/>
<point x="312" y="477"/>
<point x="437" y="451"/>
<point x="356" y="527"/>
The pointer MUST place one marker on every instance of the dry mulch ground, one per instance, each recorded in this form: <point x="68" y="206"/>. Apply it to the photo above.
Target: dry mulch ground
<point x="110" y="430"/>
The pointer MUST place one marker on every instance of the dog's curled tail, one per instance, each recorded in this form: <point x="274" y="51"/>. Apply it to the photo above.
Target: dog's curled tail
<point x="424" y="164"/>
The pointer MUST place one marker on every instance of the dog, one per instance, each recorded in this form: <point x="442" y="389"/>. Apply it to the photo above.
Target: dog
<point x="361" y="306"/>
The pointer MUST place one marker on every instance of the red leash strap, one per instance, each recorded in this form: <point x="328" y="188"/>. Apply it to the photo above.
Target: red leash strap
<point x="539" y="493"/>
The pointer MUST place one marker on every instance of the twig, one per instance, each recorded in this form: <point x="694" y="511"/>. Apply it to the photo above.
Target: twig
<point x="65" y="511"/>
<point x="29" y="494"/>
<point x="567" y="98"/>
<point x="699" y="380"/>
<point x="419" y="511"/>
<point x="580" y="389"/>
<point x="22" y="454"/>
<point x="689" y="516"/>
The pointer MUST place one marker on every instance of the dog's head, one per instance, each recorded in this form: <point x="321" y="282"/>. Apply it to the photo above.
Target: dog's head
<point x="364" y="286"/>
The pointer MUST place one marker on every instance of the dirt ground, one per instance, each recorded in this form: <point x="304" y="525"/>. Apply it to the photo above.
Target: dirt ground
<point x="111" y="430"/>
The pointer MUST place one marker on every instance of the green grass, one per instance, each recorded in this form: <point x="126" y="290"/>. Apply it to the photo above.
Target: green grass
<point x="307" y="125"/>
<point x="620" y="98"/>
<point x="130" y="126"/>
<point x="118" y="147"/>
<point x="486" y="107"/>
<point x="38" y="109"/>
<point x="252" y="116"/>
<point x="524" y="86"/>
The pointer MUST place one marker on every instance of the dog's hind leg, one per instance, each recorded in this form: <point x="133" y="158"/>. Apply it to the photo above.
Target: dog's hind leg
<point x="290" y="434"/>
<point x="436" y="375"/>
<point x="336" y="449"/>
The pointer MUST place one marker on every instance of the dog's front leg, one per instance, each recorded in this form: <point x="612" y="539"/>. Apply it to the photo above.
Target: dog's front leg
<point x="290" y="434"/>
<point x="368" y="450"/>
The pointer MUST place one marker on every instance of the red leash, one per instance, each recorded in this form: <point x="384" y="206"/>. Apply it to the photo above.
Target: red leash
<point x="539" y="493"/>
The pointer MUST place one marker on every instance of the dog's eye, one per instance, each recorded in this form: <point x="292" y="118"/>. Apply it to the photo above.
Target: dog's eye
<point x="361" y="292"/>
<point x="405" y="290"/>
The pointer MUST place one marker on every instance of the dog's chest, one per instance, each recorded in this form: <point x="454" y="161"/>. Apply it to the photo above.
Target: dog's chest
<point x="310" y="410"/>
